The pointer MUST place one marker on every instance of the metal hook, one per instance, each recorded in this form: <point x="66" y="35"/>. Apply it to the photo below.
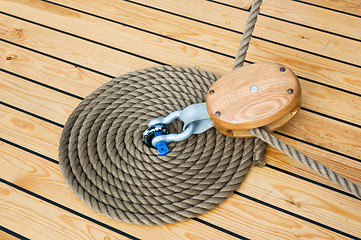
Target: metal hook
<point x="166" y="120"/>
<point x="160" y="140"/>
<point x="196" y="120"/>
<point x="175" y="137"/>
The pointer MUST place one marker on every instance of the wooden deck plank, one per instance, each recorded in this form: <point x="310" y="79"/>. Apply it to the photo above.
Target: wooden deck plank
<point x="207" y="36"/>
<point x="317" y="68"/>
<point x="63" y="46"/>
<point x="50" y="71"/>
<point x="283" y="32"/>
<point x="237" y="213"/>
<point x="347" y="6"/>
<point x="7" y="236"/>
<point x="36" y="99"/>
<point x="37" y="220"/>
<point x="349" y="168"/>
<point x="325" y="132"/>
<point x="317" y="17"/>
<point x="53" y="72"/>
<point x="13" y="93"/>
<point x="25" y="130"/>
<point x="257" y="191"/>
<point x="320" y="18"/>
<point x="300" y="61"/>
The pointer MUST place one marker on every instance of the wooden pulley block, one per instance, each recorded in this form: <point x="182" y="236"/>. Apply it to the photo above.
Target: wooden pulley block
<point x="266" y="95"/>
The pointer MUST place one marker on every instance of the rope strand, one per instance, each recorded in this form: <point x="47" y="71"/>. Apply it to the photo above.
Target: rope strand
<point x="307" y="161"/>
<point x="259" y="147"/>
<point x="247" y="34"/>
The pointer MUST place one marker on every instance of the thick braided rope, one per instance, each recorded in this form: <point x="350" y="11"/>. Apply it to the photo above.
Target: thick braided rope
<point x="106" y="164"/>
<point x="247" y="34"/>
<point x="259" y="146"/>
<point x="263" y="137"/>
<point x="306" y="160"/>
<point x="108" y="167"/>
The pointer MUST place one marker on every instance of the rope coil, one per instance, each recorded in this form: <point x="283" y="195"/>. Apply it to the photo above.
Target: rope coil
<point x="105" y="163"/>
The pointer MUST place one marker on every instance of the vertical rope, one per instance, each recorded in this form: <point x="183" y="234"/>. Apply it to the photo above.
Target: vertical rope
<point x="263" y="137"/>
<point x="259" y="146"/>
<point x="247" y="34"/>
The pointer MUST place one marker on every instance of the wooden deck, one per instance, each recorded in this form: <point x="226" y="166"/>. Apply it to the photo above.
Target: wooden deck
<point x="54" y="53"/>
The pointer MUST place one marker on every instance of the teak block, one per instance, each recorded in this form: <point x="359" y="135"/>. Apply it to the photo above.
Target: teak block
<point x="259" y="95"/>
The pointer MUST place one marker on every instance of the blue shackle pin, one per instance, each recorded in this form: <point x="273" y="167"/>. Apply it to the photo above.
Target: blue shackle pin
<point x="196" y="120"/>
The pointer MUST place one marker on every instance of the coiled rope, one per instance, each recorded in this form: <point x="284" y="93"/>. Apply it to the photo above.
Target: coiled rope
<point x="106" y="164"/>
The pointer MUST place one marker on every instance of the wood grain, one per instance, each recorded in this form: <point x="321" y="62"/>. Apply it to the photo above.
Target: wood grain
<point x="39" y="220"/>
<point x="348" y="6"/>
<point x="267" y="28"/>
<point x="304" y="64"/>
<point x="14" y="93"/>
<point x="320" y="18"/>
<point x="66" y="47"/>
<point x="35" y="99"/>
<point x="346" y="166"/>
<point x="81" y="82"/>
<point x="316" y="17"/>
<point x="44" y="178"/>
<point x="223" y="16"/>
<point x="321" y="69"/>
<point x="12" y="97"/>
<point x="46" y="133"/>
<point x="43" y="137"/>
<point x="253" y="96"/>
<point x="6" y="236"/>
<point x="236" y="214"/>
<point x="326" y="132"/>
<point x="49" y="71"/>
